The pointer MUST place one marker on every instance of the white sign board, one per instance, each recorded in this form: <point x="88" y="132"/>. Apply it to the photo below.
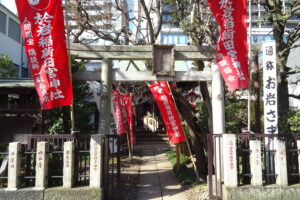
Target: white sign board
<point x="270" y="88"/>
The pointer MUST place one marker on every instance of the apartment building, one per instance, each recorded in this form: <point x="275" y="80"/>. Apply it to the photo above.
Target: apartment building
<point x="11" y="40"/>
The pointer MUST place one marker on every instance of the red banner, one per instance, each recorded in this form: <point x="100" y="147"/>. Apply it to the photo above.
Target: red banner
<point x="118" y="112"/>
<point x="127" y="100"/>
<point x="232" y="49"/>
<point x="165" y="103"/>
<point x="42" y="25"/>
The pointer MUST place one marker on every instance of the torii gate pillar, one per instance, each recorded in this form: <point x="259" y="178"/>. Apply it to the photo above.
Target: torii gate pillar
<point x="105" y="98"/>
<point x="218" y="113"/>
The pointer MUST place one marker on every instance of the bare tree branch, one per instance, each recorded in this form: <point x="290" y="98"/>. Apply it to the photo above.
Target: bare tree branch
<point x="294" y="96"/>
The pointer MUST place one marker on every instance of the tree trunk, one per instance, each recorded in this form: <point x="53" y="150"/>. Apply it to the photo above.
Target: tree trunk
<point x="197" y="139"/>
<point x="283" y="93"/>
<point x="256" y="91"/>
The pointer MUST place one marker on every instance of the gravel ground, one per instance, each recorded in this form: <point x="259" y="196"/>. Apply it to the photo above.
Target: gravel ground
<point x="199" y="192"/>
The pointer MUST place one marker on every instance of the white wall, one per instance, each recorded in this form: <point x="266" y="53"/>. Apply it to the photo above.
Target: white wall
<point x="10" y="46"/>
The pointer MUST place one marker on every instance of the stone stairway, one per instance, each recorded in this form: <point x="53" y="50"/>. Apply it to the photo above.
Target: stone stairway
<point x="146" y="137"/>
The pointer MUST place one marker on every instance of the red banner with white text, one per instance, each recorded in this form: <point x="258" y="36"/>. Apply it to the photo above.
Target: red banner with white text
<point x="232" y="48"/>
<point x="127" y="100"/>
<point x="118" y="112"/>
<point x="165" y="103"/>
<point x="43" y="31"/>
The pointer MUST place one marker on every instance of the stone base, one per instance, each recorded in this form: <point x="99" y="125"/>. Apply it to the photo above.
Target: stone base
<point x="272" y="192"/>
<point x="80" y="193"/>
<point x="57" y="193"/>
<point x="24" y="194"/>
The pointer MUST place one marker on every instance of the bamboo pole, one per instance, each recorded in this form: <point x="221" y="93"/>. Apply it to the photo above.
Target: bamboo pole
<point x="70" y="68"/>
<point x="189" y="148"/>
<point x="249" y="66"/>
<point x="177" y="157"/>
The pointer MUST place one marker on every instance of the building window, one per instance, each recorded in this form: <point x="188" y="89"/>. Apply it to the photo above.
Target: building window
<point x="14" y="30"/>
<point x="167" y="17"/>
<point x="173" y="38"/>
<point x="2" y="22"/>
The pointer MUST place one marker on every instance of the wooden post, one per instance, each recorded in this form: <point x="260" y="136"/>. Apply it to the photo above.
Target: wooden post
<point x="68" y="166"/>
<point x="129" y="147"/>
<point x="230" y="160"/>
<point x="41" y="166"/>
<point x="105" y="99"/>
<point x="177" y="157"/>
<point x="14" y="165"/>
<point x="72" y="117"/>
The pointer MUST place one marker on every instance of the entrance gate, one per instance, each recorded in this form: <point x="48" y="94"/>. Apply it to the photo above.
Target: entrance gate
<point x="147" y="53"/>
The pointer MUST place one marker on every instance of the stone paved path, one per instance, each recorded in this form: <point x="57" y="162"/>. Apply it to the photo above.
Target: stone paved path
<point x="157" y="180"/>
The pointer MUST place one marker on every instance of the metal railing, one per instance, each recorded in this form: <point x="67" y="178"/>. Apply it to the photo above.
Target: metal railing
<point x="112" y="166"/>
<point x="56" y="142"/>
<point x="214" y="142"/>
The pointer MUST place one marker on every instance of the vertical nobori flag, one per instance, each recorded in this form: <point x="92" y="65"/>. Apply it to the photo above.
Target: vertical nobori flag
<point x="42" y="25"/>
<point x="127" y="100"/>
<point x="232" y="49"/>
<point x="118" y="112"/>
<point x="270" y="87"/>
<point x="166" y="105"/>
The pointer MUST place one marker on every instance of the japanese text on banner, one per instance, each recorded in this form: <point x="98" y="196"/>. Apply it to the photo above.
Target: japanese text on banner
<point x="231" y="49"/>
<point x="165" y="103"/>
<point x="127" y="100"/>
<point x="43" y="31"/>
<point x="118" y="112"/>
<point x="270" y="88"/>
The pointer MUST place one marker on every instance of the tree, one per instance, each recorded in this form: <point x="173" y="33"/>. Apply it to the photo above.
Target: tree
<point x="113" y="21"/>
<point x="277" y="14"/>
<point x="57" y="120"/>
<point x="7" y="69"/>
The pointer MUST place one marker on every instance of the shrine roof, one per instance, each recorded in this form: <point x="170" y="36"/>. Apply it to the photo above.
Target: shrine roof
<point x="16" y="83"/>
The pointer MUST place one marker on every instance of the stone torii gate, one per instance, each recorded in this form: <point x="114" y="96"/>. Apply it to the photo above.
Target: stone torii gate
<point x="157" y="54"/>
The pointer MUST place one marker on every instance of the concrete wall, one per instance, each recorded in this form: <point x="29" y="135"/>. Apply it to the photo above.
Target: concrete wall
<point x="58" y="193"/>
<point x="261" y="193"/>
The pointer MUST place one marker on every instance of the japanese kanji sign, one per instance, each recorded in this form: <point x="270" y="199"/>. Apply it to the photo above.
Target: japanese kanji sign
<point x="127" y="100"/>
<point x="165" y="103"/>
<point x="270" y="87"/>
<point x="118" y="112"/>
<point x="232" y="49"/>
<point x="43" y="31"/>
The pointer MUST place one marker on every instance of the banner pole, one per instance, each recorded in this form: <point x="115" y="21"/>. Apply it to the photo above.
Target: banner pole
<point x="70" y="68"/>
<point x="249" y="64"/>
<point x="188" y="144"/>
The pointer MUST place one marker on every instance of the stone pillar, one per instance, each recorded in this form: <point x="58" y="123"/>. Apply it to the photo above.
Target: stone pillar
<point x="105" y="98"/>
<point x="229" y="159"/>
<point x="218" y="115"/>
<point x="68" y="171"/>
<point x="217" y="94"/>
<point x="255" y="163"/>
<point x="280" y="163"/>
<point x="14" y="165"/>
<point x="41" y="167"/>
<point x="96" y="161"/>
